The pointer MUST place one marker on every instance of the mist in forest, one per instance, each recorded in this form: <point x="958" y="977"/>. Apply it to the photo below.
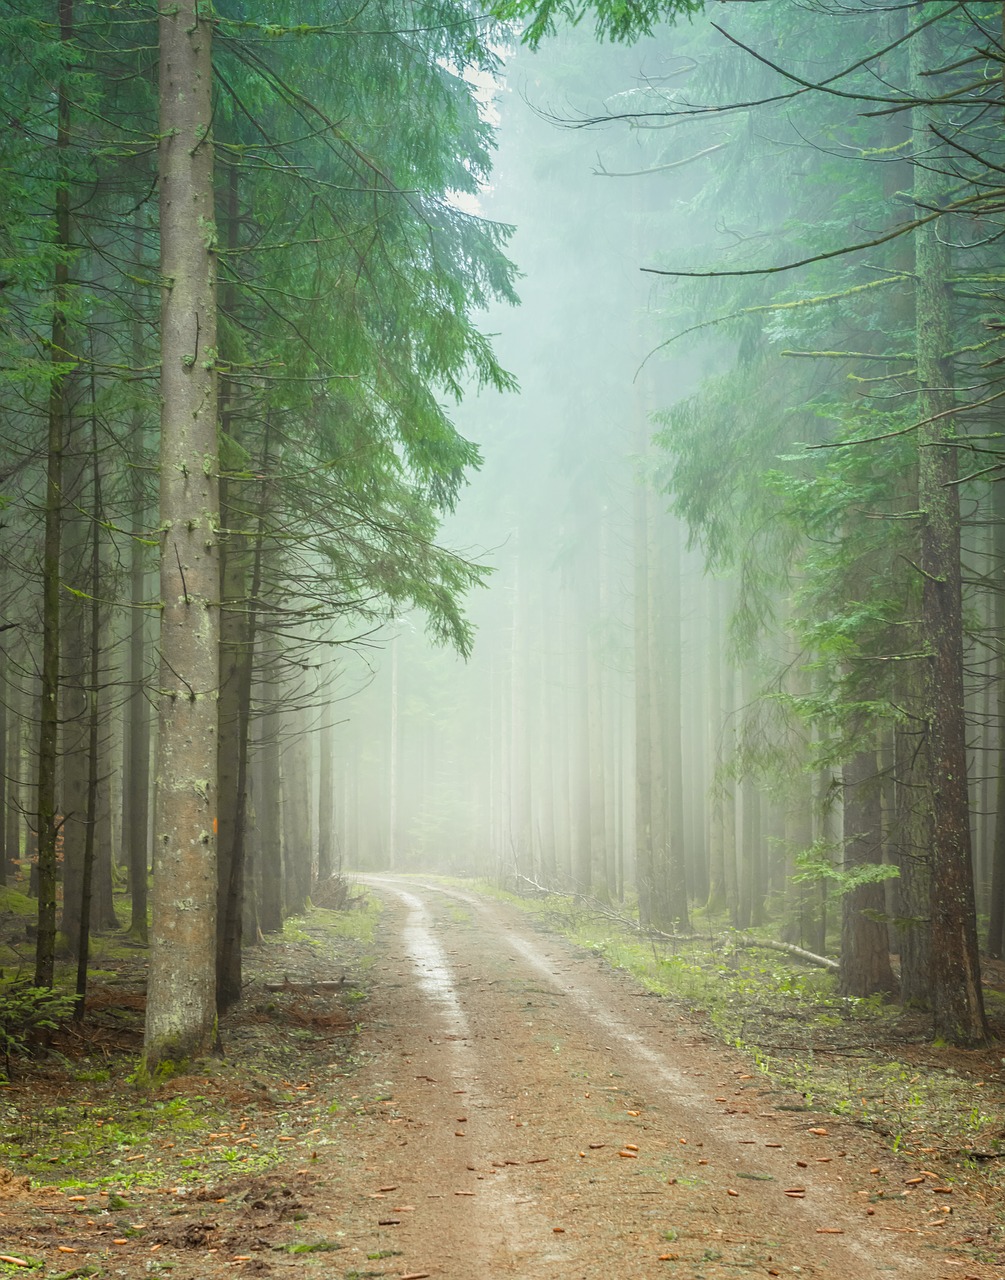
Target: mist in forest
<point x="519" y="763"/>
<point x="695" y="676"/>
<point x="715" y="627"/>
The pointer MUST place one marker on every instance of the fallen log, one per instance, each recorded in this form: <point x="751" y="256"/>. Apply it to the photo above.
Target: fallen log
<point x="287" y="985"/>
<point x="808" y="957"/>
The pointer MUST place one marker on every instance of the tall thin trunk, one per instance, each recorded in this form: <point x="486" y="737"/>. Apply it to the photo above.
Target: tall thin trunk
<point x="47" y="820"/>
<point x="268" y="798"/>
<point x="326" y="802"/>
<point x="136" y="764"/>
<point x="93" y="722"/>
<point x="674" y="727"/>
<point x="645" y="871"/>
<point x="957" y="999"/>
<point x="865" y="951"/>
<point x="15" y="766"/>
<point x="239" y="633"/>
<point x="73" y="677"/>
<point x="392" y="768"/>
<point x="996" y="920"/>
<point x="295" y="783"/>
<point x="181" y="992"/>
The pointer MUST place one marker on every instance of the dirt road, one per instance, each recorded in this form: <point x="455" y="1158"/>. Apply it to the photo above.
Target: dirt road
<point x="541" y="1117"/>
<point x="499" y="1104"/>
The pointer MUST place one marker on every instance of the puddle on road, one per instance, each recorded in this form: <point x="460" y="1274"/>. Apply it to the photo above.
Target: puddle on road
<point x="435" y="978"/>
<point x="430" y="963"/>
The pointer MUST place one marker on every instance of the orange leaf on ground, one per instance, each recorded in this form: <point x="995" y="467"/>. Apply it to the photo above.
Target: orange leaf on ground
<point x="630" y="1146"/>
<point x="731" y="1192"/>
<point x="628" y="1155"/>
<point x="830" y="1231"/>
<point x="14" y="1262"/>
<point x="821" y="1133"/>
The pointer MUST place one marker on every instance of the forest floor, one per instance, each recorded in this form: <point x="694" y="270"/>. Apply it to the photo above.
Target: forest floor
<point x="477" y="1096"/>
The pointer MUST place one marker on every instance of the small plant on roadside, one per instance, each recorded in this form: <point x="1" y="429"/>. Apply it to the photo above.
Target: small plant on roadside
<point x="25" y="1012"/>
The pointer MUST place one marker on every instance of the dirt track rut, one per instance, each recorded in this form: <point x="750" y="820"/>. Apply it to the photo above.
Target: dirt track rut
<point x="542" y="1117"/>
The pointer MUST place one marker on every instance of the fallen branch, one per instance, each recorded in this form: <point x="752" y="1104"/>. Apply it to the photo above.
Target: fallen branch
<point x="808" y="957"/>
<point x="287" y="985"/>
<point x="533" y="887"/>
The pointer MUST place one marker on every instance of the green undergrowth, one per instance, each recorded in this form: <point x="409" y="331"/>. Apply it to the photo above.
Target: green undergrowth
<point x="71" y="1116"/>
<point x="867" y="1060"/>
<point x="16" y="904"/>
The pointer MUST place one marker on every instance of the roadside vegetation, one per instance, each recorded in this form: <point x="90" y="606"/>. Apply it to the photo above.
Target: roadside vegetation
<point x="73" y="1116"/>
<point x="254" y="1118"/>
<point x="867" y="1060"/>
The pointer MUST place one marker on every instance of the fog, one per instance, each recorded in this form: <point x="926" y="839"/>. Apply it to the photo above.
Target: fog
<point x="697" y="678"/>
<point x="520" y="762"/>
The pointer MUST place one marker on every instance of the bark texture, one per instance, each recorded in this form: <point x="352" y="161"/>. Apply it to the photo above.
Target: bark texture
<point x="181" y="1002"/>
<point x="957" y="1000"/>
<point x="865" y="948"/>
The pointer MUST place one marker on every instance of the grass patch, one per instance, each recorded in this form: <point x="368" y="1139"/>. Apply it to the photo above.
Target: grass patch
<point x="867" y="1060"/>
<point x="16" y="904"/>
<point x="357" y="925"/>
<point x="80" y="1137"/>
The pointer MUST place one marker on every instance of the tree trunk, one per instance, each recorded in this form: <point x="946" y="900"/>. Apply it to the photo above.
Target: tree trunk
<point x="136" y="730"/>
<point x="957" y="999"/>
<point x="392" y="765"/>
<point x="297" y="852"/>
<point x="865" y="949"/>
<point x="15" y="772"/>
<point x="93" y="723"/>
<point x="996" y="919"/>
<point x="181" y="1003"/>
<point x="326" y="802"/>
<point x="47" y="822"/>
<point x="268" y="800"/>
<point x="670" y="639"/>
<point x="73" y="678"/>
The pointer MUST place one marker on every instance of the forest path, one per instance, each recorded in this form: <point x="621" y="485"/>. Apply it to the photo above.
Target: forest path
<point x="542" y="1117"/>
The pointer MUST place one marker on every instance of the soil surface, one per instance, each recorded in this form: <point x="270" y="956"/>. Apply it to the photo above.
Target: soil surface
<point x="508" y="1105"/>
